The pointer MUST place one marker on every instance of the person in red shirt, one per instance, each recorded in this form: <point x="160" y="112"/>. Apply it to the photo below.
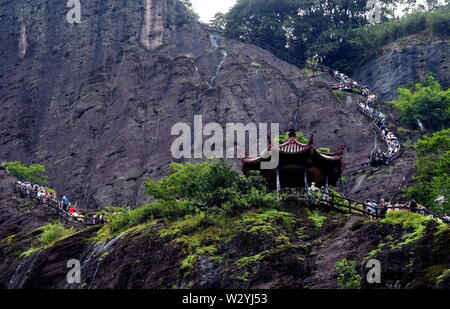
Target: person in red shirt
<point x="47" y="197"/>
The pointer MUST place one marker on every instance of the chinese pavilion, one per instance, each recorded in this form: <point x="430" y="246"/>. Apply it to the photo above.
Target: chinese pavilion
<point x="299" y="165"/>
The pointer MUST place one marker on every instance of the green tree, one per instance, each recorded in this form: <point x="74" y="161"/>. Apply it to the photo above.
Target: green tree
<point x="212" y="184"/>
<point x="427" y="103"/>
<point x="32" y="173"/>
<point x="181" y="182"/>
<point x="433" y="172"/>
<point x="338" y="33"/>
<point x="294" y="26"/>
<point x="218" y="21"/>
<point x="266" y="21"/>
<point x="190" y="9"/>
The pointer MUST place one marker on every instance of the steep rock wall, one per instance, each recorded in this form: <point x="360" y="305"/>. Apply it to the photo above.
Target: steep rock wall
<point x="95" y="102"/>
<point x="405" y="63"/>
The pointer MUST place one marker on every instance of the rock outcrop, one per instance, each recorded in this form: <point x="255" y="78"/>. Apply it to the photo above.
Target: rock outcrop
<point x="404" y="63"/>
<point x="95" y="102"/>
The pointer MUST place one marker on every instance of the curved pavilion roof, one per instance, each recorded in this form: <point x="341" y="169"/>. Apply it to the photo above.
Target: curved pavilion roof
<point x="294" y="147"/>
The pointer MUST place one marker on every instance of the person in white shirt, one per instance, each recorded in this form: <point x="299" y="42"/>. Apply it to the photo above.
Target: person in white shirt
<point x="41" y="194"/>
<point x="313" y="187"/>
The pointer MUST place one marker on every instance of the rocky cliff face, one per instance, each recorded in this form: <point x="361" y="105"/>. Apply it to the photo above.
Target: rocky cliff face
<point x="95" y="102"/>
<point x="403" y="63"/>
<point x="285" y="248"/>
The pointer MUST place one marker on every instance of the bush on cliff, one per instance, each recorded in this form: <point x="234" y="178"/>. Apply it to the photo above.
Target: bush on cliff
<point x="32" y="173"/>
<point x="50" y="234"/>
<point x="348" y="277"/>
<point x="299" y="135"/>
<point x="191" y="191"/>
<point x="416" y="223"/>
<point x="432" y="172"/>
<point x="171" y="210"/>
<point x="427" y="103"/>
<point x="212" y="185"/>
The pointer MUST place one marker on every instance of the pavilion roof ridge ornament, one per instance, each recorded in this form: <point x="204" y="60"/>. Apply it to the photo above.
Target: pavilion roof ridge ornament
<point x="339" y="150"/>
<point x="292" y="140"/>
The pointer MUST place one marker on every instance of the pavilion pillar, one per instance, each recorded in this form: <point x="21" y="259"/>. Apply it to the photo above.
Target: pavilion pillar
<point x="278" y="181"/>
<point x="326" y="181"/>
<point x="306" y="179"/>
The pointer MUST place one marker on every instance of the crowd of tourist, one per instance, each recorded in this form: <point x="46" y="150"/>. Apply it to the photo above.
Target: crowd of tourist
<point x="45" y="197"/>
<point x="366" y="107"/>
<point x="371" y="207"/>
<point x="376" y="210"/>
<point x="379" y="157"/>
<point x="380" y="209"/>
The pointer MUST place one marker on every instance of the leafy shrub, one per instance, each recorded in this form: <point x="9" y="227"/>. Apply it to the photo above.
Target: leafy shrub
<point x="316" y="218"/>
<point x="188" y="225"/>
<point x="348" y="277"/>
<point x="407" y="220"/>
<point x="197" y="193"/>
<point x="299" y="135"/>
<point x="32" y="173"/>
<point x="238" y="202"/>
<point x="51" y="234"/>
<point x="267" y="220"/>
<point x="157" y="210"/>
<point x="212" y="185"/>
<point x="180" y="183"/>
<point x="325" y="150"/>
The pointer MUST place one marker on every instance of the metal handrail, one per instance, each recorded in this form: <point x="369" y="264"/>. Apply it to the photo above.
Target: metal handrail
<point x="334" y="200"/>
<point x="50" y="203"/>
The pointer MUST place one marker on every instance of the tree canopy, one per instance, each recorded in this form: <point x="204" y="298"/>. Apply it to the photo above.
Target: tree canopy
<point x="433" y="172"/>
<point x="338" y="33"/>
<point x="294" y="25"/>
<point x="427" y="104"/>
<point x="211" y="185"/>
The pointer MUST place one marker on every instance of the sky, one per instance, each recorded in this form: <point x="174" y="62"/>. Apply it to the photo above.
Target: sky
<point x="208" y="8"/>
